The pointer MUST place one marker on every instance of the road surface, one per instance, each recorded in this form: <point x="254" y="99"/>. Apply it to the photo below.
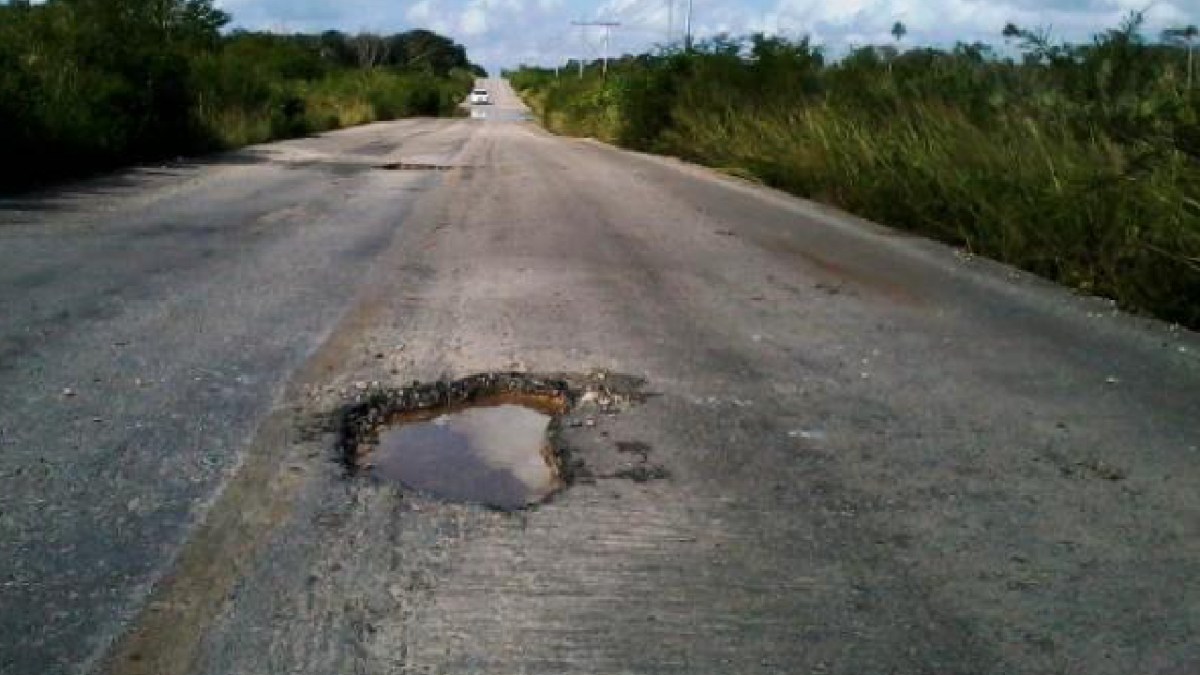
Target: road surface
<point x="881" y="455"/>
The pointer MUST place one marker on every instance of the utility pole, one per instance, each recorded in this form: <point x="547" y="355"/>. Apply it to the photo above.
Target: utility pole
<point x="1185" y="37"/>
<point x="687" y="31"/>
<point x="582" y="43"/>
<point x="608" y="26"/>
<point x="670" y="21"/>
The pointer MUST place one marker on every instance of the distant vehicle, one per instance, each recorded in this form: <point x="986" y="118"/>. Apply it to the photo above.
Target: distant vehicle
<point x="480" y="97"/>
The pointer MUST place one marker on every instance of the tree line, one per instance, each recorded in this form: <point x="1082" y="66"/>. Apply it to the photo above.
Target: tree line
<point x="90" y="84"/>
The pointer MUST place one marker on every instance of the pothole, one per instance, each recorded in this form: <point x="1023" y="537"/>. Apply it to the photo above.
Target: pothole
<point x="498" y="455"/>
<point x="488" y="439"/>
<point x="501" y="115"/>
<point x="414" y="166"/>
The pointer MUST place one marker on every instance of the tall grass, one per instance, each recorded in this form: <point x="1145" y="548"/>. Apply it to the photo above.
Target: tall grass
<point x="337" y="100"/>
<point x="1082" y="165"/>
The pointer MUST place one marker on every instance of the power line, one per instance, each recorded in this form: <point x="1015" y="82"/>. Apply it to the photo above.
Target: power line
<point x="583" y="26"/>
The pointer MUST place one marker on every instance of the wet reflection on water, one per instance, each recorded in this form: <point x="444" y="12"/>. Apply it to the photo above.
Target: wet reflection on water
<point x="500" y="114"/>
<point x="497" y="455"/>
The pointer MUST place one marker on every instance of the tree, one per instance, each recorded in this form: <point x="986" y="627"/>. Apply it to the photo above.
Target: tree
<point x="1184" y="36"/>
<point x="153" y="22"/>
<point x="200" y="23"/>
<point x="372" y="50"/>
<point x="899" y="30"/>
<point x="427" y="51"/>
<point x="335" y="48"/>
<point x="1035" y="43"/>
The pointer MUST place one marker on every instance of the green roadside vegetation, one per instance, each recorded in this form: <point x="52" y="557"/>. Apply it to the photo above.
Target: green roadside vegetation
<point x="1080" y="163"/>
<point x="92" y="84"/>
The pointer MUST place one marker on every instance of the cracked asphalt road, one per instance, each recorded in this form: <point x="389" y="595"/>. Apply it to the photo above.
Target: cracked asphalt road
<point x="880" y="456"/>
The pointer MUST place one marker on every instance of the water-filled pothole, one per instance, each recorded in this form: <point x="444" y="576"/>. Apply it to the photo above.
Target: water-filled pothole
<point x="489" y="439"/>
<point x="499" y="455"/>
<point x="501" y="114"/>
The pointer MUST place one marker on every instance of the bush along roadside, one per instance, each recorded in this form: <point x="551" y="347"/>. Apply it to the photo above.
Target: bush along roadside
<point x="1078" y="163"/>
<point x="92" y="84"/>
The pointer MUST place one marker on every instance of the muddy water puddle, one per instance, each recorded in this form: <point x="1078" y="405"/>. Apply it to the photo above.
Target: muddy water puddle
<point x="501" y="115"/>
<point x="497" y="455"/>
<point x="490" y="438"/>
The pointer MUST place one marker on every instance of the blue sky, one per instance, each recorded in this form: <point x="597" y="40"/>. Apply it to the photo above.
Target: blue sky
<point x="509" y="32"/>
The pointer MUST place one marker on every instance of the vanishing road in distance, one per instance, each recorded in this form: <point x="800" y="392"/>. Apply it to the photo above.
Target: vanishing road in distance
<point x="868" y="453"/>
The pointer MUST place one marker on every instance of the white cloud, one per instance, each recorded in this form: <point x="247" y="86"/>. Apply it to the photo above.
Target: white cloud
<point x="506" y="32"/>
<point x="420" y="12"/>
<point x="946" y="20"/>
<point x="474" y="19"/>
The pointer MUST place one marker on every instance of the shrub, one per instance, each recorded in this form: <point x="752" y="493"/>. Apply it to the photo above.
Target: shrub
<point x="89" y="84"/>
<point x="1079" y="163"/>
